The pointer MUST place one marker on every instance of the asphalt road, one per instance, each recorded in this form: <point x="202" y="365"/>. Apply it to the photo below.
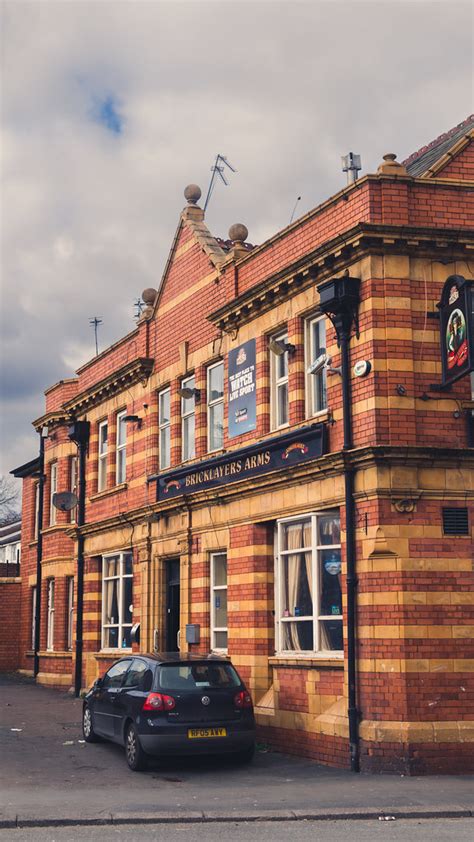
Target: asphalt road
<point x="48" y="772"/>
<point x="436" y="830"/>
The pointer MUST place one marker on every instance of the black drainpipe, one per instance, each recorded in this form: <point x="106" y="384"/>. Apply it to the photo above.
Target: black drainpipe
<point x="79" y="432"/>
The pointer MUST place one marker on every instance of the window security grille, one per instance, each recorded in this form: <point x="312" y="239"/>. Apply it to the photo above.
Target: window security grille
<point x="455" y="521"/>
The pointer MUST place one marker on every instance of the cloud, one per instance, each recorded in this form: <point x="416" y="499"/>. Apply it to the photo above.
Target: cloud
<point x="111" y="108"/>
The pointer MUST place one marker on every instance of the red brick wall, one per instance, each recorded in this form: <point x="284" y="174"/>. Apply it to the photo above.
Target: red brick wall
<point x="10" y="603"/>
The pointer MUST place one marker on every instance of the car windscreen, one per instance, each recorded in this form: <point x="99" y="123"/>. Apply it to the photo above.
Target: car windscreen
<point x="198" y="677"/>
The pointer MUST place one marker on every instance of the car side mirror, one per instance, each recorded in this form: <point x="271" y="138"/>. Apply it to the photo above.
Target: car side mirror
<point x="97" y="683"/>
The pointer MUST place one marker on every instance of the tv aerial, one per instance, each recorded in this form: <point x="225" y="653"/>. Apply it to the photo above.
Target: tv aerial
<point x="217" y="170"/>
<point x="65" y="501"/>
<point x="95" y="322"/>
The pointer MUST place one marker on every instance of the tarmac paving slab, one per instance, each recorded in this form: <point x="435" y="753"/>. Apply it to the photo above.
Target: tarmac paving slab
<point x="48" y="772"/>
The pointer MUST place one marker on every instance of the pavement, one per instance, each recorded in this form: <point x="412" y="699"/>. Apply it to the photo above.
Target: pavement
<point x="50" y="777"/>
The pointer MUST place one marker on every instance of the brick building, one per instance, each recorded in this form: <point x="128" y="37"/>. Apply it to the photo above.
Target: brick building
<point x="217" y="478"/>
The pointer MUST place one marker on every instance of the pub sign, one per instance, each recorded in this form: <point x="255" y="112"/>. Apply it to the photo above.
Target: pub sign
<point x="242" y="390"/>
<point x="456" y="328"/>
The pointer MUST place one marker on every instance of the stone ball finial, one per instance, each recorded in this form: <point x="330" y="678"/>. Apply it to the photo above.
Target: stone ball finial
<point x="238" y="233"/>
<point x="192" y="194"/>
<point x="148" y="296"/>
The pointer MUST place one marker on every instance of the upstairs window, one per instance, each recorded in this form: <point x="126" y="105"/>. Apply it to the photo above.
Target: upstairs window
<point x="279" y="382"/>
<point x="73" y="482"/>
<point x="315" y="346"/>
<point x="164" y="425"/>
<point x="36" y="514"/>
<point x="121" y="449"/>
<point x="102" y="466"/>
<point x="215" y="407"/>
<point x="308" y="584"/>
<point x="188" y="406"/>
<point x="53" y="487"/>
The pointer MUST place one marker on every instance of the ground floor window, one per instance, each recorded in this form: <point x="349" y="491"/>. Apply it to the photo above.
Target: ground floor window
<point x="219" y="601"/>
<point x="70" y="609"/>
<point x="117" y="607"/>
<point x="33" y="616"/>
<point x="308" y="584"/>
<point x="50" y="617"/>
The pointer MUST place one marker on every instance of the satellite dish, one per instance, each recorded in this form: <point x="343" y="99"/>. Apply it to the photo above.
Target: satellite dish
<point x="65" y="501"/>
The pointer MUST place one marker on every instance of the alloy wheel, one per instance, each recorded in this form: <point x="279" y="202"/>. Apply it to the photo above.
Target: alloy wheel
<point x="87" y="722"/>
<point x="131" y="746"/>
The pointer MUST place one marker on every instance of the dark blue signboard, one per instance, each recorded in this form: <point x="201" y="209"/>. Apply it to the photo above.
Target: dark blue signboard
<point x="271" y="455"/>
<point x="242" y="390"/>
<point x="457" y="328"/>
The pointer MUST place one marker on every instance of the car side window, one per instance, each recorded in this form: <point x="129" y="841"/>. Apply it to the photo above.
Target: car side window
<point x="135" y="674"/>
<point x="113" y="677"/>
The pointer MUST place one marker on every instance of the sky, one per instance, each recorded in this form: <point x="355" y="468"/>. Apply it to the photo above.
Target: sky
<point x="109" y="109"/>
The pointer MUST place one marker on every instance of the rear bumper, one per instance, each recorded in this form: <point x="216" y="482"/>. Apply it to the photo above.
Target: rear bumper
<point x="180" y="743"/>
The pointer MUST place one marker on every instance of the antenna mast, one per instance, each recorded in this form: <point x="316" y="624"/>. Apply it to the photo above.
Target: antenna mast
<point x="217" y="169"/>
<point x="95" y="322"/>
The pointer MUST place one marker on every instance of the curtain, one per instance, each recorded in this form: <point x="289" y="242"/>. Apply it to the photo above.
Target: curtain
<point x="294" y="533"/>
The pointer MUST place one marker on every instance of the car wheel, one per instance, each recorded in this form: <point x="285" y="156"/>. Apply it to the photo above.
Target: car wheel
<point x="88" y="726"/>
<point x="136" y="757"/>
<point x="247" y="754"/>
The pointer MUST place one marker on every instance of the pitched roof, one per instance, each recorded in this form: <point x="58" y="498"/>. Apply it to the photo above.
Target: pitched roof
<point x="419" y="162"/>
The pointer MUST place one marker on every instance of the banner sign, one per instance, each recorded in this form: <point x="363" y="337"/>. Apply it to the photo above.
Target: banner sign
<point x="271" y="455"/>
<point x="456" y="328"/>
<point x="242" y="391"/>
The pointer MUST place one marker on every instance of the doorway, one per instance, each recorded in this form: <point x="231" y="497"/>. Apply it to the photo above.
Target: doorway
<point x="172" y="604"/>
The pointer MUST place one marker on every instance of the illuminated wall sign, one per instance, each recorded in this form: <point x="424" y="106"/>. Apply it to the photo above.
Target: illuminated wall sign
<point x="242" y="391"/>
<point x="271" y="455"/>
<point x="456" y="328"/>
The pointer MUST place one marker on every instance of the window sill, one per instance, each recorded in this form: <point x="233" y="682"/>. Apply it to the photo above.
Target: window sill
<point x="54" y="653"/>
<point x="55" y="527"/>
<point x="107" y="491"/>
<point x="111" y="653"/>
<point x="308" y="661"/>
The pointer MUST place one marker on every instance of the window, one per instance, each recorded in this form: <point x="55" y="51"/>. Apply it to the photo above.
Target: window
<point x="121" y="448"/>
<point x="187" y="421"/>
<point x="114" y="676"/>
<point x="102" y="476"/>
<point x="33" y="616"/>
<point x="70" y="610"/>
<point x="215" y="407"/>
<point x="136" y="674"/>
<point x="117" y="608"/>
<point x="279" y="385"/>
<point x="308" y="584"/>
<point x="50" y="617"/>
<point x="315" y="345"/>
<point x="53" y="483"/>
<point x="164" y="425"/>
<point x="73" y="482"/>
<point x="219" y="601"/>
<point x="36" y="515"/>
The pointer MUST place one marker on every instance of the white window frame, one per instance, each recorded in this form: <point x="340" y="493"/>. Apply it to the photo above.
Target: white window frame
<point x="73" y="465"/>
<point x="102" y="456"/>
<point x="186" y="415"/>
<point x="164" y="428"/>
<point x="70" y="611"/>
<point x="34" y="593"/>
<point x="278" y="382"/>
<point x="215" y="590"/>
<point x="211" y="407"/>
<point x="50" y="617"/>
<point x="36" y="515"/>
<point x="316" y="384"/>
<point x="316" y="617"/>
<point x="121" y="447"/>
<point x="120" y="576"/>
<point x="53" y="487"/>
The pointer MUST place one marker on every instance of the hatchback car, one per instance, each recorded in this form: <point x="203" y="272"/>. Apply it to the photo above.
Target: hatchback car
<point x="171" y="705"/>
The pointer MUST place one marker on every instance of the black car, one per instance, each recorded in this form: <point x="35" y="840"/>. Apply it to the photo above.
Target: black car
<point x="171" y="705"/>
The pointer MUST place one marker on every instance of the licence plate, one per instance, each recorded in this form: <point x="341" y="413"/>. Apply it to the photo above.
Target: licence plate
<point x="199" y="733"/>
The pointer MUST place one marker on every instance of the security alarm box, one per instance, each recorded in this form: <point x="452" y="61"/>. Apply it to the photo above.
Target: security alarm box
<point x="193" y="633"/>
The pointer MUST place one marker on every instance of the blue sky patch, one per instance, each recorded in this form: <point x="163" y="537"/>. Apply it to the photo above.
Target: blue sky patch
<point x="106" y="112"/>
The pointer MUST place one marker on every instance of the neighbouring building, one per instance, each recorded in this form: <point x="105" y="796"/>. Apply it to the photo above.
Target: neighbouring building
<point x="226" y="489"/>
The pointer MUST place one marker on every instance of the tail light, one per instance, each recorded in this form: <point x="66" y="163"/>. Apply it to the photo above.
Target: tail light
<point x="243" y="699"/>
<point x="159" y="702"/>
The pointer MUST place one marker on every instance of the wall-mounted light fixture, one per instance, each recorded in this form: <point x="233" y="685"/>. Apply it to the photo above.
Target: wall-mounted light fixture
<point x="280" y="347"/>
<point x="400" y="389"/>
<point x="134" y="419"/>
<point x="187" y="393"/>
